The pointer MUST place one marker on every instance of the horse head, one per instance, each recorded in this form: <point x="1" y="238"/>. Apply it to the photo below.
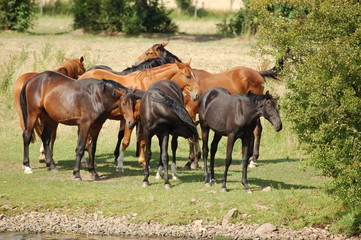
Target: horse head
<point x="126" y="106"/>
<point x="270" y="112"/>
<point x="72" y="67"/>
<point x="185" y="79"/>
<point x="157" y="50"/>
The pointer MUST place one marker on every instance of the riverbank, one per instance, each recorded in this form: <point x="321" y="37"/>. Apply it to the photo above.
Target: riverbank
<point x="96" y="224"/>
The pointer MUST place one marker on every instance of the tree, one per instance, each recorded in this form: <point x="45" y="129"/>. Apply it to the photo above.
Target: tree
<point x="322" y="72"/>
<point x="16" y="15"/>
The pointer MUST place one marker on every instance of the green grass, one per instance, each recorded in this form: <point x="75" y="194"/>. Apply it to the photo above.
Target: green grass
<point x="297" y="198"/>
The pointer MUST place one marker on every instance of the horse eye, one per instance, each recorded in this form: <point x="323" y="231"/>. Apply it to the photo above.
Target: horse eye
<point x="187" y="76"/>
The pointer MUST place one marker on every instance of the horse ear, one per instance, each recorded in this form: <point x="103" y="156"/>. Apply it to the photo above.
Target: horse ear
<point x="81" y="59"/>
<point x="189" y="62"/>
<point x="179" y="64"/>
<point x="164" y="43"/>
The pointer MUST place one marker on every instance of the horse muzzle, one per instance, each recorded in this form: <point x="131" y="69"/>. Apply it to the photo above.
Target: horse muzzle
<point x="194" y="96"/>
<point x="131" y="124"/>
<point x="278" y="127"/>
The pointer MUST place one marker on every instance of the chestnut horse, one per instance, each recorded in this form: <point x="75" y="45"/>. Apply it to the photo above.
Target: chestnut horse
<point x="162" y="113"/>
<point x="238" y="80"/>
<point x="180" y="73"/>
<point x="234" y="116"/>
<point x="56" y="98"/>
<point x="71" y="67"/>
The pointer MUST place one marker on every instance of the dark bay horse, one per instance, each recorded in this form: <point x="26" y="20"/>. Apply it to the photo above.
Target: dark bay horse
<point x="56" y="98"/>
<point x="180" y="73"/>
<point x="238" y="80"/>
<point x="71" y="67"/>
<point x="234" y="116"/>
<point x="162" y="113"/>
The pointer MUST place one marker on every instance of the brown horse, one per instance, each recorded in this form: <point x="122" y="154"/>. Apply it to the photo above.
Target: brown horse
<point x="238" y="80"/>
<point x="180" y="73"/>
<point x="71" y="67"/>
<point x="56" y="98"/>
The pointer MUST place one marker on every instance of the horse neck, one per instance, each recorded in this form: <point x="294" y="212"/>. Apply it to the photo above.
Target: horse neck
<point x="254" y="106"/>
<point x="167" y="71"/>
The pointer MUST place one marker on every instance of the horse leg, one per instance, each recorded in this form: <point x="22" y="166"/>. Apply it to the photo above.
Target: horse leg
<point x="163" y="144"/>
<point x="48" y="130"/>
<point x="94" y="133"/>
<point x="137" y="149"/>
<point x="174" y="152"/>
<point x="148" y="155"/>
<point x="197" y="149"/>
<point x="230" y="143"/>
<point x="214" y="147"/>
<point x="125" y="144"/>
<point x="141" y="159"/>
<point x="246" y="145"/>
<point x="257" y="141"/>
<point x="80" y="149"/>
<point x="120" y="138"/>
<point x="205" y="135"/>
<point x="42" y="158"/>
<point x="188" y="165"/>
<point x="27" y="135"/>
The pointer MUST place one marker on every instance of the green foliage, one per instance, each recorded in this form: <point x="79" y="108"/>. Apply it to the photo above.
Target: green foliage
<point x="322" y="72"/>
<point x="127" y="16"/>
<point x="16" y="15"/>
<point x="242" y="22"/>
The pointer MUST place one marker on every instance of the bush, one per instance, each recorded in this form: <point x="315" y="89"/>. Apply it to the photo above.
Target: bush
<point x="127" y="16"/>
<point x="16" y="15"/>
<point x="323" y="79"/>
<point x="242" y="22"/>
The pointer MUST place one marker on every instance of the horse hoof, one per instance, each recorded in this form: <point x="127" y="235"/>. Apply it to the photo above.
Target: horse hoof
<point x="118" y="169"/>
<point x="224" y="190"/>
<point x="207" y="184"/>
<point x="167" y="186"/>
<point x="187" y="166"/>
<point x="158" y="176"/>
<point x="175" y="177"/>
<point x="252" y="164"/>
<point x="194" y="165"/>
<point x="212" y="181"/>
<point x="96" y="177"/>
<point x="28" y="170"/>
<point x="145" y="184"/>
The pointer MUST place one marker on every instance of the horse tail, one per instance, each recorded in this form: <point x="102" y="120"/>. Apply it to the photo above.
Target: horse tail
<point x="176" y="107"/>
<point x="24" y="110"/>
<point x="270" y="74"/>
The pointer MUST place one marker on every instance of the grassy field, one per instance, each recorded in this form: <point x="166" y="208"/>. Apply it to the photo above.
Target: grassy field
<point x="297" y="198"/>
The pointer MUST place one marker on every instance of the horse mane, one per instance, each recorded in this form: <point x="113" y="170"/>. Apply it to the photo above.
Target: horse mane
<point x="165" y="53"/>
<point x="178" y="109"/>
<point x="115" y="85"/>
<point x="69" y="68"/>
<point x="147" y="64"/>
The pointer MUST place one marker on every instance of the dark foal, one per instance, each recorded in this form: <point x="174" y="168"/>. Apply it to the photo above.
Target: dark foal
<point x="234" y="116"/>
<point x="162" y="113"/>
<point x="55" y="98"/>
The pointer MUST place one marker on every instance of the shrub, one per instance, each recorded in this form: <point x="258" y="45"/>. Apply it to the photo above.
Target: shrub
<point x="127" y="16"/>
<point x="16" y="15"/>
<point x="323" y="79"/>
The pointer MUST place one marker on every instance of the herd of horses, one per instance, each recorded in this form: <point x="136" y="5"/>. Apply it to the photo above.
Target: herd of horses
<point x="161" y="95"/>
